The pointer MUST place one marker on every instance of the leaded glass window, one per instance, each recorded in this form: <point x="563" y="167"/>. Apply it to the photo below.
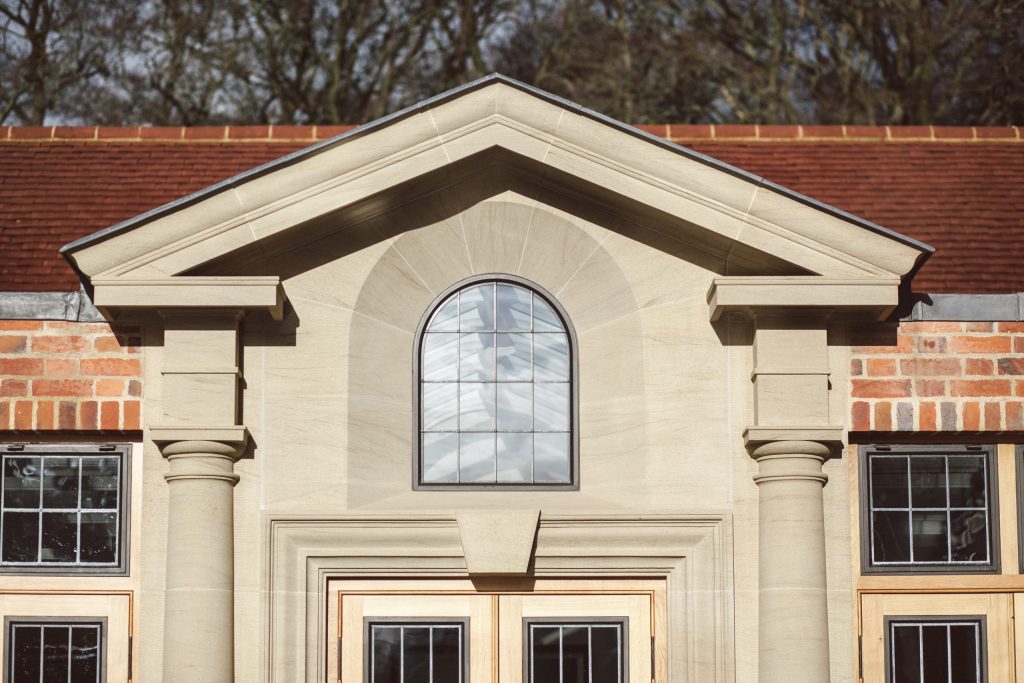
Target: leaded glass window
<point x="495" y="389"/>
<point x="417" y="651"/>
<point x="929" y="509"/>
<point x="572" y="652"/>
<point x="61" y="509"/>
<point x="45" y="652"/>
<point x="935" y="651"/>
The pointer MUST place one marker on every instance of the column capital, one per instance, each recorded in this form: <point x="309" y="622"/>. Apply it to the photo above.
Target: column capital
<point x="756" y="436"/>
<point x="228" y="434"/>
<point x="201" y="452"/>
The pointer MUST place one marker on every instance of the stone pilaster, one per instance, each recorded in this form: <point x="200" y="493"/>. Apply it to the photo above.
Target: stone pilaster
<point x="201" y="437"/>
<point x="791" y="439"/>
<point x="793" y="616"/>
<point x="199" y="609"/>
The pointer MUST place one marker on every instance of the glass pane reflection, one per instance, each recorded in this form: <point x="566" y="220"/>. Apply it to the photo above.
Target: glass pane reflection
<point x="576" y="652"/>
<point x="495" y="369"/>
<point x="45" y="652"/>
<point x="935" y="650"/>
<point x="416" y="652"/>
<point x="929" y="508"/>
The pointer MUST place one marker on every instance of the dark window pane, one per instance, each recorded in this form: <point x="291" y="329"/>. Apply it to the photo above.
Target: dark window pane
<point x="964" y="654"/>
<point x="25" y="654"/>
<point x="21" y="482"/>
<point x="99" y="537"/>
<point x="544" y="649"/>
<point x="447" y="654"/>
<point x="575" y="654"/>
<point x="606" y="654"/>
<point x="60" y="482"/>
<point x="966" y="481"/>
<point x="21" y="537"/>
<point x="85" y="654"/>
<point x="100" y="482"/>
<point x="969" y="535"/>
<point x="906" y="654"/>
<point x="416" y="654"/>
<point x="891" y="533"/>
<point x="60" y="537"/>
<point x="930" y="537"/>
<point x="386" y="655"/>
<point x="889" y="482"/>
<point x="55" y="653"/>
<point x="934" y="653"/>
<point x="928" y="482"/>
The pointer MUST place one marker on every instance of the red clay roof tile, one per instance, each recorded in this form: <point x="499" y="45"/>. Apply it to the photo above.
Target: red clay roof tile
<point x="58" y="184"/>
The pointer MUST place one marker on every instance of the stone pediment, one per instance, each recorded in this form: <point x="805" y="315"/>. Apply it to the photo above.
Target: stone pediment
<point x="181" y="254"/>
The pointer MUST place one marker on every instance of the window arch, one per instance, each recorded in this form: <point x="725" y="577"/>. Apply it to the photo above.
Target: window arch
<point x="495" y="380"/>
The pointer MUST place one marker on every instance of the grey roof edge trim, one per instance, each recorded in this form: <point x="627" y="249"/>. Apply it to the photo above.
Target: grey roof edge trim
<point x="68" y="306"/>
<point x="317" y="148"/>
<point x="967" y="308"/>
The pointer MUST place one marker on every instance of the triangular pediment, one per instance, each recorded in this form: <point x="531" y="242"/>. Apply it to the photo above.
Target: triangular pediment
<point x="536" y="138"/>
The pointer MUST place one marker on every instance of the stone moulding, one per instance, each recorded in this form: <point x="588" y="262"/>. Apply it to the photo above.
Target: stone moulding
<point x="693" y="552"/>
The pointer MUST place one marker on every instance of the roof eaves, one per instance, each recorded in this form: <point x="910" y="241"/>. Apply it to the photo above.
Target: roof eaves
<point x="411" y="110"/>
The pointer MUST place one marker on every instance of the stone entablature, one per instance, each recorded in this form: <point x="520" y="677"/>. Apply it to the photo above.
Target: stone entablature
<point x="938" y="376"/>
<point x="61" y="375"/>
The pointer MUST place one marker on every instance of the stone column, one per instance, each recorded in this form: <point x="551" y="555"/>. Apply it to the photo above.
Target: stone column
<point x="199" y="610"/>
<point x="201" y="437"/>
<point x="793" y="617"/>
<point x="790" y="440"/>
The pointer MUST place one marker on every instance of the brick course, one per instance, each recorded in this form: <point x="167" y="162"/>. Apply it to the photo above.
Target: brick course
<point x="938" y="376"/>
<point x="57" y="375"/>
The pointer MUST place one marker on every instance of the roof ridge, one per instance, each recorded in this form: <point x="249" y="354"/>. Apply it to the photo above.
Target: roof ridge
<point x="732" y="132"/>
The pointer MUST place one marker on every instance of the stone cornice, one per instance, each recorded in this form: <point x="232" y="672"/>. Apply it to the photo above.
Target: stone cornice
<point x="190" y="293"/>
<point x="874" y="298"/>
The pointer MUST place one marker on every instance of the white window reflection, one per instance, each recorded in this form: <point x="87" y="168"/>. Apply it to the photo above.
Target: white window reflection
<point x="495" y="389"/>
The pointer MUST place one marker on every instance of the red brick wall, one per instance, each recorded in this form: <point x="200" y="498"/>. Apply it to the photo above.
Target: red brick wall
<point x="938" y="376"/>
<point x="58" y="375"/>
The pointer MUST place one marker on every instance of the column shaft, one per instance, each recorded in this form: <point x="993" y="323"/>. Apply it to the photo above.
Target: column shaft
<point x="199" y="609"/>
<point x="793" y="619"/>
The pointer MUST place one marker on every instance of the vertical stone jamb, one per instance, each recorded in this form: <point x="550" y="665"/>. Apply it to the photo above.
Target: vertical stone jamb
<point x="201" y="437"/>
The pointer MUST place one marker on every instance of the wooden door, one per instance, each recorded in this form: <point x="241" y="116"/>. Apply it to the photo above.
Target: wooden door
<point x="925" y="637"/>
<point x="575" y="639"/>
<point x="453" y="632"/>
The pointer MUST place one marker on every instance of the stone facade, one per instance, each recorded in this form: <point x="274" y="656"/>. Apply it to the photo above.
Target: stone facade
<point x="729" y="350"/>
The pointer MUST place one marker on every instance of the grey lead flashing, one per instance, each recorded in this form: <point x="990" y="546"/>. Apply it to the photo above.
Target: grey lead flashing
<point x="428" y="103"/>
<point x="968" y="308"/>
<point x="70" y="306"/>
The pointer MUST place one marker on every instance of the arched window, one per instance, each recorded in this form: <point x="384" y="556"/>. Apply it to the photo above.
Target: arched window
<point x="495" y="365"/>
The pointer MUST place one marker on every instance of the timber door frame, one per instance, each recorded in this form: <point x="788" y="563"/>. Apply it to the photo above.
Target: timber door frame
<point x="654" y="590"/>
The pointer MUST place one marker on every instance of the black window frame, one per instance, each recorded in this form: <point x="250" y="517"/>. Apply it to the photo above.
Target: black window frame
<point x="979" y="619"/>
<point x="622" y="622"/>
<point x="993" y="566"/>
<point x="119" y="450"/>
<point x="11" y="621"/>
<point x="574" y="380"/>
<point x="369" y="622"/>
